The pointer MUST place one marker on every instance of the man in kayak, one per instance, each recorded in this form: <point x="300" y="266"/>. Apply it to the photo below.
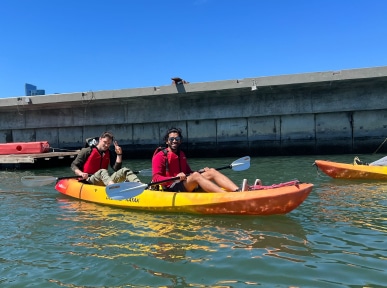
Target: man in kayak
<point x="92" y="163"/>
<point x="172" y="162"/>
<point x="380" y="162"/>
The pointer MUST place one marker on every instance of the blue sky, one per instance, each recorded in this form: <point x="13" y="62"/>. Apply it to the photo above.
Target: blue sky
<point x="66" y="46"/>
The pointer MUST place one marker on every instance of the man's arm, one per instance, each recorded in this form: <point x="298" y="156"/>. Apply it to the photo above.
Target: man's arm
<point x="116" y="157"/>
<point x="115" y="161"/>
<point x="158" y="167"/>
<point x="79" y="161"/>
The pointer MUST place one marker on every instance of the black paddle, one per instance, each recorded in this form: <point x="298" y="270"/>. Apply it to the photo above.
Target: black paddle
<point x="37" y="181"/>
<point x="380" y="146"/>
<point x="127" y="190"/>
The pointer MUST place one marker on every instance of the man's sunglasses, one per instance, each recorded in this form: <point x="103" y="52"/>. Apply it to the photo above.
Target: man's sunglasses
<point x="174" y="138"/>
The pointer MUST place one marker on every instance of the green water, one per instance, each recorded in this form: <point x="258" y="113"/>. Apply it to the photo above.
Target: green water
<point x="336" y="238"/>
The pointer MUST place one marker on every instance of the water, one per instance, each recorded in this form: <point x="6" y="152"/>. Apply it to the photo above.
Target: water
<point x="336" y="238"/>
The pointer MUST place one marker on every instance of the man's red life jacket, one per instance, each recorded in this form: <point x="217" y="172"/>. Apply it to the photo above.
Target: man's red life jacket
<point x="96" y="161"/>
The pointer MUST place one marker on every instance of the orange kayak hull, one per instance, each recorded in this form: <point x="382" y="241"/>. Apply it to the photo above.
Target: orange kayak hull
<point x="278" y="200"/>
<point x="352" y="171"/>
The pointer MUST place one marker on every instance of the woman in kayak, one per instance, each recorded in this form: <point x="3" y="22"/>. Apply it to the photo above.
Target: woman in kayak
<point x="92" y="163"/>
<point x="172" y="162"/>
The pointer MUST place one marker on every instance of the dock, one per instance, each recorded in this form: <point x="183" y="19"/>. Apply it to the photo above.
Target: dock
<point x="40" y="160"/>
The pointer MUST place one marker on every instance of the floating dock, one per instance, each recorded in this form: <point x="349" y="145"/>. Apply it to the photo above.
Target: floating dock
<point x="40" y="160"/>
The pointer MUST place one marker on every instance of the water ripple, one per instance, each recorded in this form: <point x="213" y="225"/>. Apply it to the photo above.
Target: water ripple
<point x="336" y="238"/>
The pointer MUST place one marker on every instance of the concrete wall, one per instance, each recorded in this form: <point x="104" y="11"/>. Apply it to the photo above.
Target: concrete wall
<point x="312" y="113"/>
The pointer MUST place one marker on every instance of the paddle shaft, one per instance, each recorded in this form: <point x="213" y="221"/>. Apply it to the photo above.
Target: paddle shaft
<point x="380" y="146"/>
<point x="36" y="181"/>
<point x="177" y="178"/>
<point x="67" y="177"/>
<point x="74" y="177"/>
<point x="128" y="190"/>
<point x="71" y="177"/>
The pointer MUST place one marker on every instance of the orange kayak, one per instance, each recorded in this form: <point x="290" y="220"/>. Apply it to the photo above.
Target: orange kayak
<point x="269" y="200"/>
<point x="352" y="171"/>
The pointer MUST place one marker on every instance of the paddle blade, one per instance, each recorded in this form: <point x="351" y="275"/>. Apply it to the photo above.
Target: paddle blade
<point x="37" y="181"/>
<point x="241" y="164"/>
<point x="125" y="190"/>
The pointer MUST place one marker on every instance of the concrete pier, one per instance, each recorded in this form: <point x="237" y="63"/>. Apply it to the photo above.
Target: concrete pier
<point x="312" y="113"/>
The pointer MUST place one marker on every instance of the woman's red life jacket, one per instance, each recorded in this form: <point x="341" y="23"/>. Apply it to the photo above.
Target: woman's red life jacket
<point x="96" y="161"/>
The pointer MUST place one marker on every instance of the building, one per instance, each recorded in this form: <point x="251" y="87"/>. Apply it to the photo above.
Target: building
<point x="31" y="90"/>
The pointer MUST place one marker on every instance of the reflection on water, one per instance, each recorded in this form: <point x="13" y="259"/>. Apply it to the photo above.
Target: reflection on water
<point x="336" y="238"/>
<point x="166" y="233"/>
<point x="114" y="234"/>
<point x="357" y="203"/>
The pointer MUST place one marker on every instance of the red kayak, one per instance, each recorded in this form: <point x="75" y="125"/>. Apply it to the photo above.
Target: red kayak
<point x="24" y="148"/>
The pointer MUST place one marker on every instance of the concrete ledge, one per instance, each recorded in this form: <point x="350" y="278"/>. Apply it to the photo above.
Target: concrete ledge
<point x="324" y="112"/>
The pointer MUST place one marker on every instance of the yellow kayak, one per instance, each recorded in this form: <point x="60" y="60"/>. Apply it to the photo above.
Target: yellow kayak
<point x="352" y="171"/>
<point x="268" y="200"/>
